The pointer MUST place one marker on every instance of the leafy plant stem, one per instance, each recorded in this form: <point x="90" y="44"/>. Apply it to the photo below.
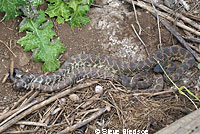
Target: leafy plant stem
<point x="181" y="88"/>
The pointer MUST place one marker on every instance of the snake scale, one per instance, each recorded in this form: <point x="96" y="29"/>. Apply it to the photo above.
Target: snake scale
<point x="97" y="66"/>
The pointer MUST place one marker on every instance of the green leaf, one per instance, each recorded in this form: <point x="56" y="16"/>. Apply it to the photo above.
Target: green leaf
<point x="10" y="7"/>
<point x="38" y="39"/>
<point x="36" y="3"/>
<point x="49" y="54"/>
<point x="198" y="66"/>
<point x="59" y="9"/>
<point x="89" y="2"/>
<point x="79" y="17"/>
<point x="73" y="11"/>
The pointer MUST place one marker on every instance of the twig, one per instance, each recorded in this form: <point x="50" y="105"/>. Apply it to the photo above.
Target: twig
<point x="137" y="22"/>
<point x="17" y="113"/>
<point x="20" y="132"/>
<point x="75" y="110"/>
<point x="95" y="5"/>
<point x="195" y="48"/>
<point x="8" y="48"/>
<point x="140" y="39"/>
<point x="2" y="117"/>
<point x="21" y="99"/>
<point x="185" y="19"/>
<point x="84" y="113"/>
<point x="192" y="39"/>
<point x="154" y="94"/>
<point x="11" y="69"/>
<point x="194" y="6"/>
<point x="117" y="108"/>
<point x="30" y="123"/>
<point x="56" y="125"/>
<point x="181" y="40"/>
<point x="196" y="18"/>
<point x="32" y="97"/>
<point x="158" y="22"/>
<point x="90" y="101"/>
<point x="165" y="15"/>
<point x="58" y="116"/>
<point x="46" y="115"/>
<point x="86" y="121"/>
<point x="182" y="17"/>
<point x="5" y="78"/>
<point x="44" y="103"/>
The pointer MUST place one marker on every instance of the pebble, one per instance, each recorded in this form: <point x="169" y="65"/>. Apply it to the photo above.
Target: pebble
<point x="74" y="97"/>
<point x="63" y="100"/>
<point x="99" y="89"/>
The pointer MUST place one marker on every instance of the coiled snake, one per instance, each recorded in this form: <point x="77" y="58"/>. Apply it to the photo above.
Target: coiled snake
<point x="96" y="66"/>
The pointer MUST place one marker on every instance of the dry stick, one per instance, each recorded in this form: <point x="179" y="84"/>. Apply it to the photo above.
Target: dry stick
<point x="21" y="99"/>
<point x="195" y="48"/>
<point x="2" y="117"/>
<point x="181" y="40"/>
<point x="84" y="113"/>
<point x="5" y="78"/>
<point x="30" y="123"/>
<point x="137" y="22"/>
<point x="154" y="94"/>
<point x="74" y="110"/>
<point x="165" y="15"/>
<point x="158" y="22"/>
<point x="18" y="112"/>
<point x="192" y="39"/>
<point x="44" y="103"/>
<point x="140" y="39"/>
<point x="168" y="10"/>
<point x="194" y="6"/>
<point x="8" y="48"/>
<point x="11" y="69"/>
<point x="20" y="132"/>
<point x="118" y="109"/>
<point x="84" y="122"/>
<point x="32" y="97"/>
<point x="58" y="117"/>
<point x="196" y="18"/>
<point x="46" y="116"/>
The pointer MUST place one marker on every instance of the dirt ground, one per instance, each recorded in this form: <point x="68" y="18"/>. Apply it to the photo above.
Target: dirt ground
<point x="108" y="33"/>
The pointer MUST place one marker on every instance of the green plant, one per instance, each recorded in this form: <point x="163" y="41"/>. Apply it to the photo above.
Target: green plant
<point x="38" y="38"/>
<point x="10" y="7"/>
<point x="39" y="33"/>
<point x="74" y="11"/>
<point x="179" y="88"/>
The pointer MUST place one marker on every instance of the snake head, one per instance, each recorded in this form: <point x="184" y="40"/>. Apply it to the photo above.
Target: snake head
<point x="15" y="75"/>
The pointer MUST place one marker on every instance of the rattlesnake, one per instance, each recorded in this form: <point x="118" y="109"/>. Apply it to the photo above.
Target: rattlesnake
<point x="97" y="66"/>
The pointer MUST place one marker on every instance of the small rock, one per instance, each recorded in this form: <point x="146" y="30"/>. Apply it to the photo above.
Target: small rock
<point x="74" y="97"/>
<point x="55" y="111"/>
<point x="99" y="89"/>
<point x="21" y="126"/>
<point x="63" y="100"/>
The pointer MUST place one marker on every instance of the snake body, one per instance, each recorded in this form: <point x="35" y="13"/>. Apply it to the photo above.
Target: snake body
<point x="97" y="66"/>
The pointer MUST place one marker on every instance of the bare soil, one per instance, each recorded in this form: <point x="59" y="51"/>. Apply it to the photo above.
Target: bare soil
<point x="108" y="33"/>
